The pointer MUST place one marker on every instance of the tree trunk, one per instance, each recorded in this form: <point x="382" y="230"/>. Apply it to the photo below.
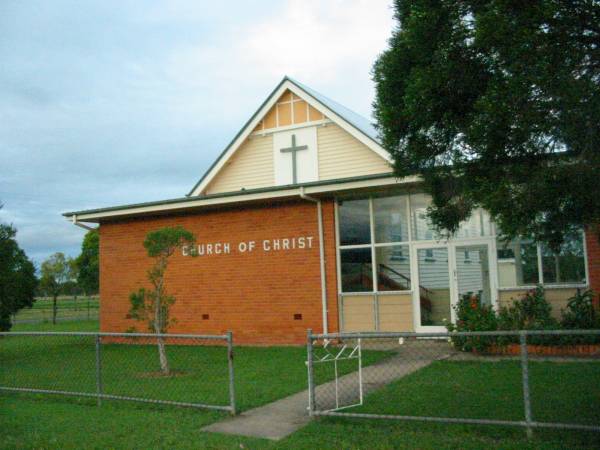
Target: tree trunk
<point x="54" y="310"/>
<point x="162" y="354"/>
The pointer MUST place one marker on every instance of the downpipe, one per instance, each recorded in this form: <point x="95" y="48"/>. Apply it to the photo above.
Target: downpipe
<point x="321" y="255"/>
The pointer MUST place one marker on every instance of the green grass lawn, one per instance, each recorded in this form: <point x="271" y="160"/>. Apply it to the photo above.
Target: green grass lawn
<point x="560" y="392"/>
<point x="263" y="374"/>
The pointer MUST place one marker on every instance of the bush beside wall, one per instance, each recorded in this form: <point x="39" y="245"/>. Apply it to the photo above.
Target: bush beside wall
<point x="530" y="312"/>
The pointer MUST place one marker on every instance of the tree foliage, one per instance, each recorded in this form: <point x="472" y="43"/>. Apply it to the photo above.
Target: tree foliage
<point x="17" y="277"/>
<point x="496" y="104"/>
<point x="56" y="272"/>
<point x="88" y="263"/>
<point x="152" y="305"/>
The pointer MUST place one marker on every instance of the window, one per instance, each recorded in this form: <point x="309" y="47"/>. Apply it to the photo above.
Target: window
<point x="382" y="265"/>
<point x="357" y="270"/>
<point x="566" y="266"/>
<point x="477" y="225"/>
<point x="467" y="257"/>
<point x="393" y="268"/>
<point x="421" y="226"/>
<point x="519" y="263"/>
<point x="391" y="219"/>
<point x="355" y="222"/>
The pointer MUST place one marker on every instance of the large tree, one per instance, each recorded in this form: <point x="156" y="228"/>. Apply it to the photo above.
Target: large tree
<point x="17" y="277"/>
<point x="152" y="305"/>
<point x="497" y="104"/>
<point x="87" y="263"/>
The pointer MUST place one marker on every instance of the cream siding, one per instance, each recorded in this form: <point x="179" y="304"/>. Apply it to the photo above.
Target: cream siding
<point x="341" y="155"/>
<point x="556" y="296"/>
<point x="250" y="167"/>
<point x="395" y="312"/>
<point x="358" y="313"/>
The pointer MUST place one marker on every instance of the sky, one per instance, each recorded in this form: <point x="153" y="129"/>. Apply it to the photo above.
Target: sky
<point x="113" y="102"/>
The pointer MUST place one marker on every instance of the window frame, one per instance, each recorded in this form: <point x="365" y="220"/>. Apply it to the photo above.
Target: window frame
<point x="540" y="270"/>
<point x="410" y="244"/>
<point x="373" y="246"/>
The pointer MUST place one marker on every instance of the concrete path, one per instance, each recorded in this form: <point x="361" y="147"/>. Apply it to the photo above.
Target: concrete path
<point x="281" y="418"/>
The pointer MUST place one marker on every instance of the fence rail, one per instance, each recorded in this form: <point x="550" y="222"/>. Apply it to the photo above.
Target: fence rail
<point x="121" y="366"/>
<point x="67" y="309"/>
<point x="530" y="379"/>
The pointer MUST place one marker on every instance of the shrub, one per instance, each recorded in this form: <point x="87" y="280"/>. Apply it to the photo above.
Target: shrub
<point x="471" y="315"/>
<point x="531" y="312"/>
<point x="580" y="314"/>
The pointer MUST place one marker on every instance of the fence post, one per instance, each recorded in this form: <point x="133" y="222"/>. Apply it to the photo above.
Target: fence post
<point x="311" y="381"/>
<point x="525" y="372"/>
<point x="98" y="370"/>
<point x="231" y="376"/>
<point x="88" y="308"/>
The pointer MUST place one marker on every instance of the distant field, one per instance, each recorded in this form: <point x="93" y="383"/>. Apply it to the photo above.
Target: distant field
<point x="68" y="308"/>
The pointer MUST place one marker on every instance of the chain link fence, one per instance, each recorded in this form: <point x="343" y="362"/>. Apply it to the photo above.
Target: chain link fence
<point x="531" y="379"/>
<point x="67" y="309"/>
<point x="197" y="370"/>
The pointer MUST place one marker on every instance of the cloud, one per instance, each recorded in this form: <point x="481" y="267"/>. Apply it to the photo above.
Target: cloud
<point x="321" y="43"/>
<point x="122" y="102"/>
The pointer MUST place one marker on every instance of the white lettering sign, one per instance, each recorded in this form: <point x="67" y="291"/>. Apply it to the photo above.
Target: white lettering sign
<point x="266" y="245"/>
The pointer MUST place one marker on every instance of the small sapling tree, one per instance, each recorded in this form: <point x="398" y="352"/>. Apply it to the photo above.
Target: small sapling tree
<point x="152" y="305"/>
<point x="55" y="273"/>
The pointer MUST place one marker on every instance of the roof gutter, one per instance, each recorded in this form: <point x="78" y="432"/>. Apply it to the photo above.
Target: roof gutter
<point x="321" y="255"/>
<point x="80" y="224"/>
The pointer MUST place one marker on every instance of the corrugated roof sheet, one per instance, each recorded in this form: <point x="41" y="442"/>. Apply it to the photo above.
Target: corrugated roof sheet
<point x="358" y="121"/>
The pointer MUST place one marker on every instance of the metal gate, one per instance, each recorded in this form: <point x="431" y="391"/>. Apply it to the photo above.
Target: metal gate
<point x="335" y="375"/>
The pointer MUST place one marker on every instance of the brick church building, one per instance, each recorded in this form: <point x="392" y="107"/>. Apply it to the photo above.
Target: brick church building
<point x="300" y="224"/>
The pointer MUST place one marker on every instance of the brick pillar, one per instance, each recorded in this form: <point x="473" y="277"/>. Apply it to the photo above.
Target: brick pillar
<point x="592" y="242"/>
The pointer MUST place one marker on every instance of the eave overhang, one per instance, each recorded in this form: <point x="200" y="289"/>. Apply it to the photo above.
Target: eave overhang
<point x="230" y="199"/>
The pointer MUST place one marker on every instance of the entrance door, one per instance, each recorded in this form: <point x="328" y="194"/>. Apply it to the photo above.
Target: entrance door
<point x="434" y="293"/>
<point x="473" y="272"/>
<point x="445" y="273"/>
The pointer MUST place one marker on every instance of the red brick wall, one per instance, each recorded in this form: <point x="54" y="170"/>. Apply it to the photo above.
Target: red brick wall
<point x="592" y="243"/>
<point x="254" y="294"/>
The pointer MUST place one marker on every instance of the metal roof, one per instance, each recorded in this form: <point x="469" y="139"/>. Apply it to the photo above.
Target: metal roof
<point x="241" y="194"/>
<point x="361" y="123"/>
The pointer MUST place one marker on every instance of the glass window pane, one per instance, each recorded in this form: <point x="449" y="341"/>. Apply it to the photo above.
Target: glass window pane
<point x="486" y="223"/>
<point x="421" y="226"/>
<point x="393" y="268"/>
<point x="517" y="263"/>
<point x="566" y="266"/>
<point x="391" y="221"/>
<point x="357" y="271"/>
<point x="355" y="223"/>
<point x="470" y="227"/>
<point x="434" y="286"/>
<point x="472" y="272"/>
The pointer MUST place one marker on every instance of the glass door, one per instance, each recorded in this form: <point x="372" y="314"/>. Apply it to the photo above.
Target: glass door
<point x="445" y="273"/>
<point x="433" y="292"/>
<point x="472" y="269"/>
